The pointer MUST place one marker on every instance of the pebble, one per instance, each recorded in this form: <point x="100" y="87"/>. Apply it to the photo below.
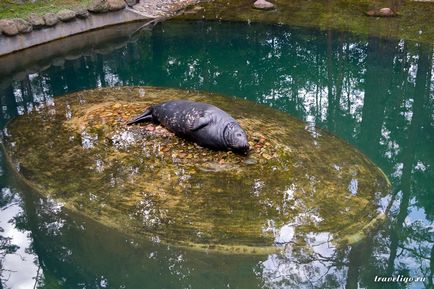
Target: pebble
<point x="263" y="5"/>
<point x="250" y="161"/>
<point x="382" y="12"/>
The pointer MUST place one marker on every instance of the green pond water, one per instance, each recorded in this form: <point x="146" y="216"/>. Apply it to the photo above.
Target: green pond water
<point x="146" y="181"/>
<point x="360" y="103"/>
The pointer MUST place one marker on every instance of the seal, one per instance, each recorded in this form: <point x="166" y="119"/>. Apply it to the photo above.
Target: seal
<point x="205" y="124"/>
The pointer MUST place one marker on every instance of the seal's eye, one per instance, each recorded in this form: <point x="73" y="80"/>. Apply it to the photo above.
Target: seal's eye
<point x="238" y="135"/>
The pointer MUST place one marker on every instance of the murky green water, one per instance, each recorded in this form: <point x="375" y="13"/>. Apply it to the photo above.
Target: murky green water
<point x="376" y="94"/>
<point x="148" y="183"/>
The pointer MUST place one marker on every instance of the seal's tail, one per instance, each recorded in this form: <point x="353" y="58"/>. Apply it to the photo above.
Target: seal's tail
<point x="147" y="115"/>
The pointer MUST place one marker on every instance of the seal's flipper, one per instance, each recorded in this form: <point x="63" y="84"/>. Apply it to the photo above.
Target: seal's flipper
<point x="200" y="123"/>
<point x="146" y="116"/>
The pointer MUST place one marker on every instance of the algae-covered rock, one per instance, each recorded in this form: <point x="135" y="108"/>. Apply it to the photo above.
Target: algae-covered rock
<point x="82" y="13"/>
<point x="11" y="27"/>
<point x="51" y="19"/>
<point x="103" y="6"/>
<point x="23" y="25"/>
<point x="66" y="15"/>
<point x="8" y="27"/>
<point x="37" y="21"/>
<point x="98" y="6"/>
<point x="115" y="5"/>
<point x="145" y="181"/>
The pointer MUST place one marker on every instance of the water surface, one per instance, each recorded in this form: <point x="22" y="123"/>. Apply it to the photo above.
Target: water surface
<point x="146" y="182"/>
<point x="374" y="93"/>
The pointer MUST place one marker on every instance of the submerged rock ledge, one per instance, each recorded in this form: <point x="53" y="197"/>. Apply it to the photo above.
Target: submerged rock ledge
<point x="296" y="182"/>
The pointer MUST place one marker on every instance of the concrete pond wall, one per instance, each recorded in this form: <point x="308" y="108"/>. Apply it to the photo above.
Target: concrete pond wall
<point x="18" y="42"/>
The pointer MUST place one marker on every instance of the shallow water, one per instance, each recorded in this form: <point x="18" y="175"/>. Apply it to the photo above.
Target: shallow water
<point x="414" y="21"/>
<point x="376" y="94"/>
<point x="148" y="183"/>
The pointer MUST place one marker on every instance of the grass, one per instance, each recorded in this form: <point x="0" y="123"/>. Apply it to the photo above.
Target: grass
<point x="9" y="9"/>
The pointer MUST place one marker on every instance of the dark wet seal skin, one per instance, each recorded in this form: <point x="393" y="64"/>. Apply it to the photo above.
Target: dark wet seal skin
<point x="205" y="124"/>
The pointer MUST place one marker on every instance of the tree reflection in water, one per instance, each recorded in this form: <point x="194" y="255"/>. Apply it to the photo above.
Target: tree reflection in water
<point x="377" y="94"/>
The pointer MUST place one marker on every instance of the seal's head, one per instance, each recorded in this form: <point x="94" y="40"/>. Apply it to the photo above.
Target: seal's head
<point x="236" y="138"/>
